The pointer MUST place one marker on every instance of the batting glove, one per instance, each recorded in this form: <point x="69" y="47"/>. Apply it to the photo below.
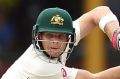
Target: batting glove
<point x="116" y="39"/>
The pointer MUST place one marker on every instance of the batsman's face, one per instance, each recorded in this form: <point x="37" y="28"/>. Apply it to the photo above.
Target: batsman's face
<point x="54" y="43"/>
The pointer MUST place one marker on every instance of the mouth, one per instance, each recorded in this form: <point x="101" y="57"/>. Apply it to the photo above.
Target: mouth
<point x="54" y="49"/>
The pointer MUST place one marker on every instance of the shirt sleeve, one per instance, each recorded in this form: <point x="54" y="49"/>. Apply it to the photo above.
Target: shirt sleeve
<point x="76" y="25"/>
<point x="71" y="72"/>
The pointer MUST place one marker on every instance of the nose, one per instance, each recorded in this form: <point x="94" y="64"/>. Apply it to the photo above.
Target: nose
<point x="55" y="42"/>
<point x="54" y="45"/>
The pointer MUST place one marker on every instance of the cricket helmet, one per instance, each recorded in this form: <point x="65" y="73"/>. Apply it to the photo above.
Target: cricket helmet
<point x="54" y="20"/>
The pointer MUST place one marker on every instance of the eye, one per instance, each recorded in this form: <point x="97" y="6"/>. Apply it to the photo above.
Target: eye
<point x="48" y="35"/>
<point x="63" y="35"/>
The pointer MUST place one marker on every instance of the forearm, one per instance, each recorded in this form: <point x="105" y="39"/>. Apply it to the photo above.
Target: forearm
<point x="112" y="73"/>
<point x="107" y="21"/>
<point x="112" y="22"/>
<point x="91" y="19"/>
<point x="110" y="28"/>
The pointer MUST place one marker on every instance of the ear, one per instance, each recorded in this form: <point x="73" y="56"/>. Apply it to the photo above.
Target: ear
<point x="39" y="35"/>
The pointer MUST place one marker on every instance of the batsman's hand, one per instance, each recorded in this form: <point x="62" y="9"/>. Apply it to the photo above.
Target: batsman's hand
<point x="116" y="39"/>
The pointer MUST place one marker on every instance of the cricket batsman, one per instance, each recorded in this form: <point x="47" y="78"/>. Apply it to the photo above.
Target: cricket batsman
<point x="53" y="38"/>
